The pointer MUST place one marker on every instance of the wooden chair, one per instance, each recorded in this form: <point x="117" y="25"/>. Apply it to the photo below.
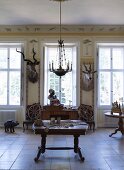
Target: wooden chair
<point x="86" y="114"/>
<point x="33" y="112"/>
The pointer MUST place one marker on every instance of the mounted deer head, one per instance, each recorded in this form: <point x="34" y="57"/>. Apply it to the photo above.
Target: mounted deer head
<point x="32" y="73"/>
<point x="88" y="78"/>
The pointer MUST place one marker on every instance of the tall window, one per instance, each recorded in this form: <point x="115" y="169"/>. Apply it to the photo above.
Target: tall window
<point x="65" y="87"/>
<point x="10" y="75"/>
<point x="110" y="74"/>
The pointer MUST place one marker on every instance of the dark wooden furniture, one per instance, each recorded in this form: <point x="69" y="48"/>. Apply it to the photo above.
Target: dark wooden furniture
<point x="120" y="121"/>
<point x="78" y="128"/>
<point x="86" y="114"/>
<point x="27" y="123"/>
<point x="58" y="111"/>
<point x="33" y="112"/>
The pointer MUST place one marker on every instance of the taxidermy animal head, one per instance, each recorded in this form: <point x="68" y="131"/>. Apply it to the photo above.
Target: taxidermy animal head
<point x="88" y="77"/>
<point x="31" y="70"/>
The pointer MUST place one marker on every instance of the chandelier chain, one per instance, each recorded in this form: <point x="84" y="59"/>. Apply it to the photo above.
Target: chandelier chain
<point x="63" y="66"/>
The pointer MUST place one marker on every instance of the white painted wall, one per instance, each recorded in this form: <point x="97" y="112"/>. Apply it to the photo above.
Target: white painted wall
<point x="33" y="91"/>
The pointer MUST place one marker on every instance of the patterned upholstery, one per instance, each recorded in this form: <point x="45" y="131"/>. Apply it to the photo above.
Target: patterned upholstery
<point x="33" y="112"/>
<point x="86" y="114"/>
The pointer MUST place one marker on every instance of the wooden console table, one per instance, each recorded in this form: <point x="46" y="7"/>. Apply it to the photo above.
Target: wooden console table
<point x="76" y="129"/>
<point x="71" y="114"/>
<point x="120" y="122"/>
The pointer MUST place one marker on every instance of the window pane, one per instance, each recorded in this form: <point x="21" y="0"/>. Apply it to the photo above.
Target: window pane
<point x="68" y="56"/>
<point x="117" y="54"/>
<point x="65" y="82"/>
<point x="66" y="89"/>
<point x="117" y="86"/>
<point x="10" y="74"/>
<point x="62" y="86"/>
<point x="54" y="83"/>
<point x="14" y="88"/>
<point x="115" y="82"/>
<point x="3" y="88"/>
<point x="3" y="58"/>
<point x="15" y="58"/>
<point x="104" y="58"/>
<point x="104" y="88"/>
<point x="52" y="56"/>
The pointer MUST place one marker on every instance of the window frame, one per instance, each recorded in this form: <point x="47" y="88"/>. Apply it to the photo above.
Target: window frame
<point x="46" y="65"/>
<point x="9" y="45"/>
<point x="111" y="71"/>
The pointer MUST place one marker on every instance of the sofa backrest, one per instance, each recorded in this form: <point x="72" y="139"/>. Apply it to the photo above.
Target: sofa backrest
<point x="33" y="111"/>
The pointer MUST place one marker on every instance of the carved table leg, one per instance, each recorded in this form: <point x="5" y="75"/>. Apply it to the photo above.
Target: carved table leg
<point x="120" y="124"/>
<point x="75" y="143"/>
<point x="116" y="130"/>
<point x="23" y="126"/>
<point x="76" y="148"/>
<point x="41" y="149"/>
<point x="120" y="127"/>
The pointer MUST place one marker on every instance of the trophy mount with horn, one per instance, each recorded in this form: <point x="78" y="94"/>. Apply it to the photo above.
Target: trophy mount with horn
<point x="32" y="73"/>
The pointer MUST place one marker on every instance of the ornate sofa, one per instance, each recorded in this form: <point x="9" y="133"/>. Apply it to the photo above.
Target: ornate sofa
<point x="36" y="111"/>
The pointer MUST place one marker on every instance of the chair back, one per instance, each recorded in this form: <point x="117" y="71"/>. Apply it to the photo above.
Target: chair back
<point x="33" y="111"/>
<point x="86" y="112"/>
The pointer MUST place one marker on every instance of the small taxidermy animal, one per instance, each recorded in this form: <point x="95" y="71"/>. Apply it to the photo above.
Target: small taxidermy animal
<point x="9" y="125"/>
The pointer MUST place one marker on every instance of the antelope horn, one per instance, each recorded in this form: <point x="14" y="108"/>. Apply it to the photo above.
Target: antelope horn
<point x="94" y="71"/>
<point x="84" y="72"/>
<point x="24" y="56"/>
<point x="35" y="60"/>
<point x="85" y="67"/>
<point x="34" y="53"/>
<point x="90" y="68"/>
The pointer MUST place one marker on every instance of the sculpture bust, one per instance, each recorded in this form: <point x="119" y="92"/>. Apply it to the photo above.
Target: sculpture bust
<point x="53" y="98"/>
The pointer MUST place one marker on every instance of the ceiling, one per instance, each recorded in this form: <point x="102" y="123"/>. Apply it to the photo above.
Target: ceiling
<point x="74" y="12"/>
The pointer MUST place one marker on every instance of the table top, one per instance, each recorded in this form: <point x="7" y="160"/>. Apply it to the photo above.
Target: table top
<point x="66" y="127"/>
<point x="115" y="115"/>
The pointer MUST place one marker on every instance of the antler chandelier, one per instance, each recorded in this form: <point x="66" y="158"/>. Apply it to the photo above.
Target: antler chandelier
<point x="63" y="66"/>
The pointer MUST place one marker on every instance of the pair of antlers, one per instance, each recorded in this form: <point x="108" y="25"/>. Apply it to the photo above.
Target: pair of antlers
<point x="88" y="70"/>
<point x="29" y="62"/>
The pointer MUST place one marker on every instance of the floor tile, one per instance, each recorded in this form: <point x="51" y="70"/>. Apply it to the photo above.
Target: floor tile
<point x="101" y="152"/>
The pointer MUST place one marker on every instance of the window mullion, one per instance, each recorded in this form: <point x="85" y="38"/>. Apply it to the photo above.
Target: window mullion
<point x="8" y="75"/>
<point x="111" y="77"/>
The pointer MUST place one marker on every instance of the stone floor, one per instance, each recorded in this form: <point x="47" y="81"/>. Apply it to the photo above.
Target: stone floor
<point x="101" y="152"/>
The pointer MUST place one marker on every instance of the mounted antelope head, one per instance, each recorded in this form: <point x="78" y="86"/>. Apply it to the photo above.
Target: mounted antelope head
<point x="88" y="78"/>
<point x="32" y="73"/>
